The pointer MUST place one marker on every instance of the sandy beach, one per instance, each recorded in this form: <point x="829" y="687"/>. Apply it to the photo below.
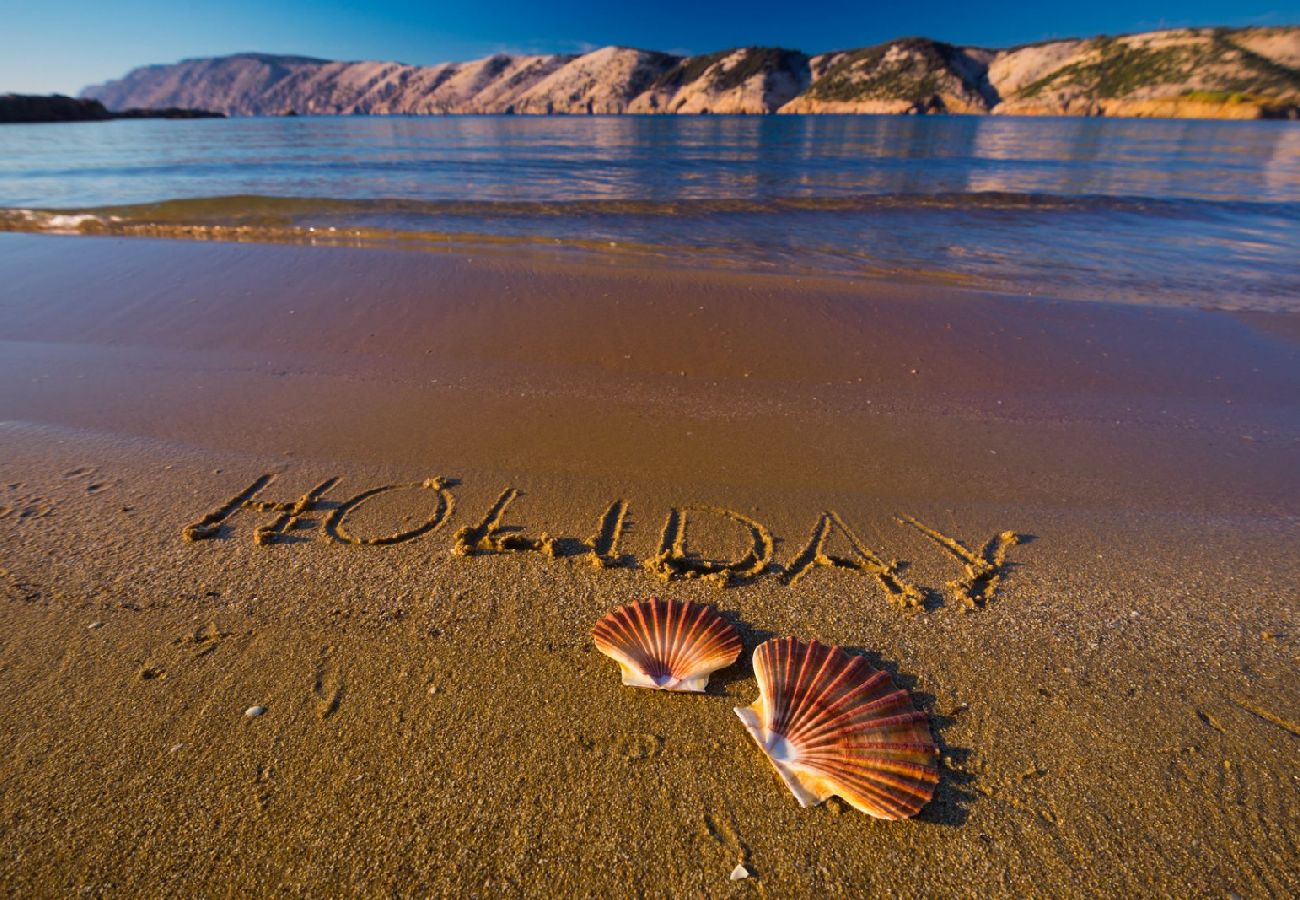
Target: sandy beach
<point x="495" y="447"/>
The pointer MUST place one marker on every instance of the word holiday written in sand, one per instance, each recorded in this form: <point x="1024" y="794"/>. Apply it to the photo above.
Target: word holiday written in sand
<point x="671" y="560"/>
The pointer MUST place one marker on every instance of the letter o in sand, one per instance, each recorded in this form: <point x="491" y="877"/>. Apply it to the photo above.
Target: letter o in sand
<point x="334" y="524"/>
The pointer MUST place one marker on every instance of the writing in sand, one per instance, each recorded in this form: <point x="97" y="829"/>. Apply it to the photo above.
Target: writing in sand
<point x="672" y="559"/>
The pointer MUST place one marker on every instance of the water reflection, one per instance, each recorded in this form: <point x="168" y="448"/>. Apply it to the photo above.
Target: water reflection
<point x="1204" y="210"/>
<point x="560" y="158"/>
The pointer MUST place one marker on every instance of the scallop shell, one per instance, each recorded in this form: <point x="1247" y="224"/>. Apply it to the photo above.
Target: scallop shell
<point x="831" y="724"/>
<point x="672" y="645"/>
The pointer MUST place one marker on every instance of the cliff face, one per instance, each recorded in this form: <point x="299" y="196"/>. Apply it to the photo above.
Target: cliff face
<point x="1202" y="72"/>
<point x="604" y="82"/>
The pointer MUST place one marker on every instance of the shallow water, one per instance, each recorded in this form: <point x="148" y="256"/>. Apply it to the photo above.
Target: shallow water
<point x="1186" y="212"/>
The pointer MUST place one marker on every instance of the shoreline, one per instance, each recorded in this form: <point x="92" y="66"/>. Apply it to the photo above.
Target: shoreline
<point x="585" y="254"/>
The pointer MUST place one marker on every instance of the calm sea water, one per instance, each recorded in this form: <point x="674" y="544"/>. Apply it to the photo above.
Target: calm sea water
<point x="1206" y="213"/>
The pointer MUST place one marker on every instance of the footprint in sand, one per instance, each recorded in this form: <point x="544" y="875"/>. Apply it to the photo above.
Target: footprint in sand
<point x="152" y="672"/>
<point x="634" y="747"/>
<point x="630" y="747"/>
<point x="27" y="508"/>
<point x="203" y="641"/>
<point x="328" y="687"/>
<point x="87" y="473"/>
<point x="264" y="787"/>
<point x="721" y="830"/>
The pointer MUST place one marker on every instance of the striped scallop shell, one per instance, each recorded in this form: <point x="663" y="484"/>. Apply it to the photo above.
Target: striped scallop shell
<point x="672" y="645"/>
<point x="831" y="724"/>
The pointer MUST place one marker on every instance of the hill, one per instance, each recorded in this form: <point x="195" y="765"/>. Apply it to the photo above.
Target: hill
<point x="1211" y="72"/>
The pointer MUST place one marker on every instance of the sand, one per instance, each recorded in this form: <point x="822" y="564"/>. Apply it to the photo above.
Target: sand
<point x="1118" y="714"/>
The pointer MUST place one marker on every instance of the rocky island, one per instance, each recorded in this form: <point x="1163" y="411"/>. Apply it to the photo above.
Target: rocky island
<point x="26" y="108"/>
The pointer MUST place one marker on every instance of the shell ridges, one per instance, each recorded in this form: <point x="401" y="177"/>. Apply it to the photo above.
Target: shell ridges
<point x="671" y="645"/>
<point x="832" y="724"/>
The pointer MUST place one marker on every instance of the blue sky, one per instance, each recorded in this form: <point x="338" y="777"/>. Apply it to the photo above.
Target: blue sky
<point x="63" y="46"/>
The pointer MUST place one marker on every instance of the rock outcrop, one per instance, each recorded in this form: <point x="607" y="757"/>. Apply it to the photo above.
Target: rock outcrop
<point x="1209" y="72"/>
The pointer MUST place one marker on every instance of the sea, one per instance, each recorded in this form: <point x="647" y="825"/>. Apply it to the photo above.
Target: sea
<point x="1199" y="213"/>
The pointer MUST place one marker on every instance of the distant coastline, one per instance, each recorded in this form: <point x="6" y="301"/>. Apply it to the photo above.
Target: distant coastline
<point x="1244" y="73"/>
<point x="31" y="109"/>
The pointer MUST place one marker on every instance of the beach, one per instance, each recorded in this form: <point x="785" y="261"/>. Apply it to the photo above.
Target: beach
<point x="463" y="459"/>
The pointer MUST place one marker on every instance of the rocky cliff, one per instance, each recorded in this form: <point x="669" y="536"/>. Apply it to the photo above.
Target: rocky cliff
<point x="1184" y="72"/>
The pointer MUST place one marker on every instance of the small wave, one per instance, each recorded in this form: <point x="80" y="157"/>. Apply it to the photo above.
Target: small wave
<point x="44" y="222"/>
<point x="51" y="222"/>
<point x="69" y="222"/>
<point x="271" y="211"/>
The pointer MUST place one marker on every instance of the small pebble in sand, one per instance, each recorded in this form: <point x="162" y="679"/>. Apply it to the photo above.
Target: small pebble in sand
<point x="93" y="625"/>
<point x="433" y="689"/>
<point x="254" y="711"/>
<point x="739" y="872"/>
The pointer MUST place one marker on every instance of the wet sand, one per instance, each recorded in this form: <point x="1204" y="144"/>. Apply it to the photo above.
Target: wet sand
<point x="1121" y="715"/>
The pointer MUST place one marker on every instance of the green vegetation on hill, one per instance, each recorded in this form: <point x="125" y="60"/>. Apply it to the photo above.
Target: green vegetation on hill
<point x="1267" y="73"/>
<point x="1219" y="97"/>
<point x="690" y="69"/>
<point x="1119" y="69"/>
<point x="496" y="65"/>
<point x="652" y="66"/>
<point x="866" y="75"/>
<point x="754" y="61"/>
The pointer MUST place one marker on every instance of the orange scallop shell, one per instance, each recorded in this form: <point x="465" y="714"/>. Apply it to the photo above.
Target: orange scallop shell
<point x="672" y="645"/>
<point x="831" y="724"/>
